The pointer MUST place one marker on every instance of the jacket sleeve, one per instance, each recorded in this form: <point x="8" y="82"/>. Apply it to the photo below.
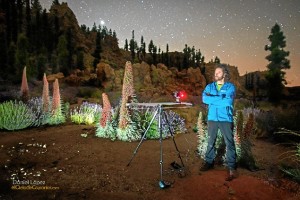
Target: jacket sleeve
<point x="218" y="100"/>
<point x="208" y="97"/>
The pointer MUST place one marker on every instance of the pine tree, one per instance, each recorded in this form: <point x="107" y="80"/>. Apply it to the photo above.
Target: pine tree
<point x="4" y="49"/>
<point x="278" y="62"/>
<point x="167" y="60"/>
<point x="217" y="60"/>
<point x="126" y="45"/>
<point x="185" y="57"/>
<point x="80" y="59"/>
<point x="62" y="54"/>
<point x="22" y="54"/>
<point x="98" y="50"/>
<point x="55" y="2"/>
<point x="132" y="47"/>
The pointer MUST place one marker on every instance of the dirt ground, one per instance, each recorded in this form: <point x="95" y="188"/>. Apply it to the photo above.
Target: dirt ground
<point x="61" y="163"/>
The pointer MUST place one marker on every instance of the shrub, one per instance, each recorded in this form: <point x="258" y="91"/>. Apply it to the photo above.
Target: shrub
<point x="142" y="117"/>
<point x="16" y="115"/>
<point x="109" y="131"/>
<point x="86" y="113"/>
<point x="37" y="106"/>
<point x="293" y="156"/>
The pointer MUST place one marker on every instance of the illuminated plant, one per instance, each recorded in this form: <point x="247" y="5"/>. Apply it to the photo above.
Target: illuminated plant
<point x="127" y="92"/>
<point x="173" y="121"/>
<point x="142" y="116"/>
<point x="36" y="105"/>
<point x="202" y="135"/>
<point x="292" y="156"/>
<point x="106" y="112"/>
<point x="238" y="132"/>
<point x="16" y="115"/>
<point x="56" y="116"/>
<point x="45" y="97"/>
<point x="87" y="113"/>
<point x="127" y="129"/>
<point x="105" y="127"/>
<point x="24" y="87"/>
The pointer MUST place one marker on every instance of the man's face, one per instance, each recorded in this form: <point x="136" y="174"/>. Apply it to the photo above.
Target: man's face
<point x="219" y="75"/>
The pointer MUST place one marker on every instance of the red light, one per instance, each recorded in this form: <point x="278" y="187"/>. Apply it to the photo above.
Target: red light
<point x="182" y="94"/>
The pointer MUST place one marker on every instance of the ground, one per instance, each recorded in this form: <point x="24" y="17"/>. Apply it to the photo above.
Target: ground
<point x="74" y="164"/>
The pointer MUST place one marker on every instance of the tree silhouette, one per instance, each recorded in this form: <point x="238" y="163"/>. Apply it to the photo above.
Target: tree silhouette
<point x="277" y="62"/>
<point x="132" y="47"/>
<point x="63" y="54"/>
<point x="22" y="54"/>
<point x="98" y="50"/>
<point x="217" y="60"/>
<point x="126" y="45"/>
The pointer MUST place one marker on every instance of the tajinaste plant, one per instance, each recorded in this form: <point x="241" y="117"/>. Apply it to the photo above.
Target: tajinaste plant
<point x="106" y="112"/>
<point x="24" y="87"/>
<point x="202" y="136"/>
<point x="16" y="115"/>
<point x="45" y="97"/>
<point x="57" y="116"/>
<point x="127" y="92"/>
<point x="127" y="129"/>
<point x="246" y="157"/>
<point x="105" y="128"/>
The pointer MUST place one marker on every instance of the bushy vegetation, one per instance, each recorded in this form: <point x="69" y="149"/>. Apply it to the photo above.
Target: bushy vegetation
<point x="16" y="115"/>
<point x="293" y="157"/>
<point x="86" y="113"/>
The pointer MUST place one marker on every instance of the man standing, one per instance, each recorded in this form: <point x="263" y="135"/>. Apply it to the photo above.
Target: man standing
<point x="219" y="96"/>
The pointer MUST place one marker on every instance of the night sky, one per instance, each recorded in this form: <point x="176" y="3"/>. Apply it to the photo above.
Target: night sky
<point x="234" y="30"/>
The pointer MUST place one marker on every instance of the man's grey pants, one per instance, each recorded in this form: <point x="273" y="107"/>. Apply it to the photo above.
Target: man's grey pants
<point x="226" y="129"/>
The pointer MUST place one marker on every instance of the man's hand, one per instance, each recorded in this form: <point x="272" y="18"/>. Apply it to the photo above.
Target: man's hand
<point x="207" y="94"/>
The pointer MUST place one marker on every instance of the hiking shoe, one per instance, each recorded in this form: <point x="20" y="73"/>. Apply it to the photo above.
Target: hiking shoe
<point x="206" y="166"/>
<point x="232" y="174"/>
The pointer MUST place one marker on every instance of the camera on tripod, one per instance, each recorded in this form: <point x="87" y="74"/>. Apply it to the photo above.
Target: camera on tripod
<point x="180" y="95"/>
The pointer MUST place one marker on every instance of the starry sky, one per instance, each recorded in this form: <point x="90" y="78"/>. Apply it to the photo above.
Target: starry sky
<point x="234" y="30"/>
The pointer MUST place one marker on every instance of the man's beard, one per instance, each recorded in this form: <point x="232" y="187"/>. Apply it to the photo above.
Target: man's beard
<point x="219" y="78"/>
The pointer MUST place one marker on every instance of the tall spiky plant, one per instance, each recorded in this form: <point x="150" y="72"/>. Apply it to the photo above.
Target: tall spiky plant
<point x="127" y="129"/>
<point x="127" y="92"/>
<point x="56" y="104"/>
<point x="45" y="97"/>
<point x="105" y="128"/>
<point x="57" y="116"/>
<point x="202" y="135"/>
<point x="106" y="112"/>
<point x="239" y="128"/>
<point x="24" y="87"/>
<point x="247" y="159"/>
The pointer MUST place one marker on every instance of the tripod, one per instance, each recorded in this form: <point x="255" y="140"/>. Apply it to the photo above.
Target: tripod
<point x="159" y="112"/>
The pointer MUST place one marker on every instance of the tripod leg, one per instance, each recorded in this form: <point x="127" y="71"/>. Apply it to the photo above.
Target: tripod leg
<point x="172" y="134"/>
<point x="162" y="184"/>
<point x="143" y="137"/>
<point x="160" y="141"/>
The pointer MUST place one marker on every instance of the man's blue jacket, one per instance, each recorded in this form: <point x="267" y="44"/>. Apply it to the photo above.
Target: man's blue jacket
<point x="220" y="103"/>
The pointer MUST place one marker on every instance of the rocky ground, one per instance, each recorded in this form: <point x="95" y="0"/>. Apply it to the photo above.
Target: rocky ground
<point x="69" y="162"/>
